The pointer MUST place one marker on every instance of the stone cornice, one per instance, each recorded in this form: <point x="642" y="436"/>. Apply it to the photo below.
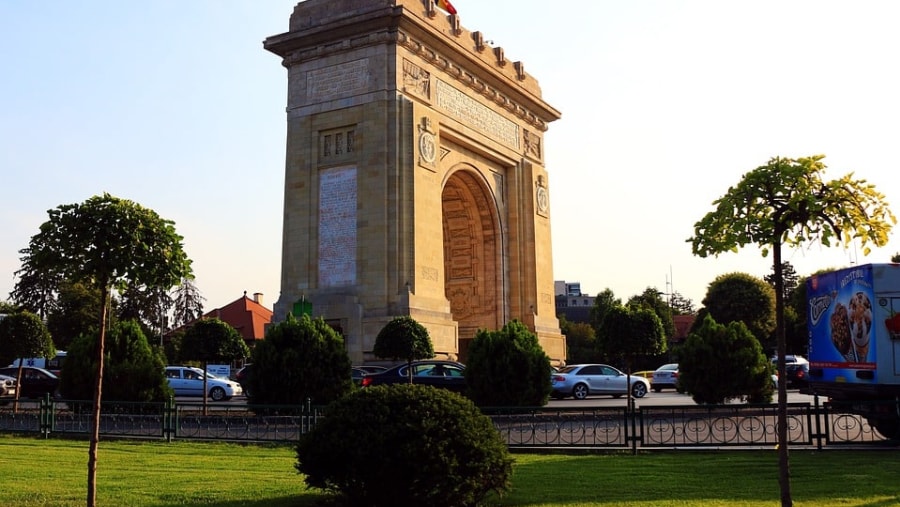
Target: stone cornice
<point x="461" y="55"/>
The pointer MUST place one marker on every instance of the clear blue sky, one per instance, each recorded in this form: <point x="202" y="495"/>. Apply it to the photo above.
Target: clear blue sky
<point x="665" y="104"/>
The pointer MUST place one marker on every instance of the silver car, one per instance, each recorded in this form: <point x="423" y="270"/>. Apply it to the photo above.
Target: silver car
<point x="581" y="380"/>
<point x="187" y="381"/>
<point x="7" y="388"/>
<point x="665" y="377"/>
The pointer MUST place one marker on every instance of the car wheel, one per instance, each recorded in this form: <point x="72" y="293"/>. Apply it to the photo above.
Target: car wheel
<point x="580" y="391"/>
<point x="217" y="394"/>
<point x="657" y="389"/>
<point x="638" y="390"/>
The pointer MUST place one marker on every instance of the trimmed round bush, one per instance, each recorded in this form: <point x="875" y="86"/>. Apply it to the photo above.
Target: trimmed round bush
<point x="301" y="359"/>
<point x="508" y="368"/>
<point x="721" y="362"/>
<point x="405" y="445"/>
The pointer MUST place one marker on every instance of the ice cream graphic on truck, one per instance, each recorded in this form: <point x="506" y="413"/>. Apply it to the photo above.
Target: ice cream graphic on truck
<point x="854" y="339"/>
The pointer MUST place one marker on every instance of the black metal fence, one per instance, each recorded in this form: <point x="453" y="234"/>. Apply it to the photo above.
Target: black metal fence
<point x="733" y="425"/>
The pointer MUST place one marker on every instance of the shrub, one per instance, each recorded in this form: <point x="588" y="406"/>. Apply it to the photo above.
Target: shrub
<point x="133" y="371"/>
<point x="508" y="368"/>
<point x="300" y="359"/>
<point x="720" y="362"/>
<point x="405" y="445"/>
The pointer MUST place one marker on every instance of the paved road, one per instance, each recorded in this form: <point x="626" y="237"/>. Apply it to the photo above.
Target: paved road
<point x="664" y="398"/>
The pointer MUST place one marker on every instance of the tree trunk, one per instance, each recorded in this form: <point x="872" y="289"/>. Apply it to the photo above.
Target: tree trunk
<point x="784" y="470"/>
<point x="98" y="389"/>
<point x="205" y="402"/>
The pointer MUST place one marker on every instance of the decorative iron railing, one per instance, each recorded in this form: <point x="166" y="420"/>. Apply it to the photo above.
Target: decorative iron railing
<point x="732" y="425"/>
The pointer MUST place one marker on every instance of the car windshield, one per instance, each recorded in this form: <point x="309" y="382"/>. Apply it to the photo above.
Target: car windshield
<point x="668" y="367"/>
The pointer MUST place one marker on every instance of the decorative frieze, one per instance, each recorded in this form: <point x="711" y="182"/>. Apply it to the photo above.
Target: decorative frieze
<point x="416" y="80"/>
<point x="463" y="108"/>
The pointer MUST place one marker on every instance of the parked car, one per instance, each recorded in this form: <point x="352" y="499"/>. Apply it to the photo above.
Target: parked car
<point x="7" y="389"/>
<point x="187" y="381"/>
<point x="581" y="380"/>
<point x="647" y="374"/>
<point x="36" y="382"/>
<point x="665" y="377"/>
<point x="357" y="374"/>
<point x="371" y="368"/>
<point x="796" y="375"/>
<point x="790" y="359"/>
<point x="445" y="374"/>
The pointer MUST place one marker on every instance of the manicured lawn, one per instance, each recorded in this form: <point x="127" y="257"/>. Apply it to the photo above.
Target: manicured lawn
<point x="53" y="473"/>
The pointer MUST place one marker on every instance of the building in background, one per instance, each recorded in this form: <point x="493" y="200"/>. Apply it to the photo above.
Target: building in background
<point x="571" y="303"/>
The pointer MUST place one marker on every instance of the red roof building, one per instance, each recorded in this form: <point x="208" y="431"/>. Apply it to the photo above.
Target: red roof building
<point x="248" y="316"/>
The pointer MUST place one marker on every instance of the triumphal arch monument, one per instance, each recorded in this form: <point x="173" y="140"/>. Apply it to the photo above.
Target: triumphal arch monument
<point x="414" y="180"/>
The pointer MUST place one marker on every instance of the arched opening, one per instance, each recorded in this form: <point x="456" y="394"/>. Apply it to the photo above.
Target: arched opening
<point x="472" y="256"/>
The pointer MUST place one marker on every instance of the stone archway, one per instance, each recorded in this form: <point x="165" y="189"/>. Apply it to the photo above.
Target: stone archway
<point x="472" y="256"/>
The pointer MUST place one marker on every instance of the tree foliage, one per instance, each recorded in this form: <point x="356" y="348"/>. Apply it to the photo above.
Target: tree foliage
<point x="581" y="341"/>
<point x="106" y="243"/>
<point x="508" y="367"/>
<point x="300" y="360"/>
<point x="405" y="446"/>
<point x="403" y="338"/>
<point x="632" y="332"/>
<point x="790" y="279"/>
<point x="681" y="305"/>
<point x="603" y="303"/>
<point x="651" y="299"/>
<point x="212" y="340"/>
<point x="23" y="334"/>
<point x="74" y="313"/>
<point x="740" y="297"/>
<point x="720" y="362"/>
<point x="787" y="202"/>
<point x="187" y="303"/>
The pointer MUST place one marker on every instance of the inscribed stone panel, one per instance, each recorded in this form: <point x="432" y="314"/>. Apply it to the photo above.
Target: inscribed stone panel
<point x="338" y="81"/>
<point x="337" y="227"/>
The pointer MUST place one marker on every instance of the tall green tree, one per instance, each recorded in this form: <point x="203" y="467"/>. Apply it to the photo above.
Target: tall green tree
<point x="403" y="338"/>
<point x="740" y="297"/>
<point x="790" y="279"/>
<point x="35" y="290"/>
<point x="23" y="334"/>
<point x="187" y="302"/>
<point x="632" y="331"/>
<point x="106" y="242"/>
<point x="787" y="202"/>
<point x="652" y="299"/>
<point x="212" y="340"/>
<point x="681" y="305"/>
<point x="581" y="341"/>
<point x="603" y="303"/>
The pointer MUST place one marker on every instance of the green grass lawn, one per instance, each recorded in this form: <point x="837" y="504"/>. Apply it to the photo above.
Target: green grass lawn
<point x="53" y="473"/>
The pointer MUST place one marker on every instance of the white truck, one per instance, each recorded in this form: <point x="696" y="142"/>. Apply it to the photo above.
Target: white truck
<point x="854" y="342"/>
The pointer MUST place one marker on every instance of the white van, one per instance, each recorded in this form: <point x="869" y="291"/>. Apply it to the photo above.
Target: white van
<point x="53" y="364"/>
